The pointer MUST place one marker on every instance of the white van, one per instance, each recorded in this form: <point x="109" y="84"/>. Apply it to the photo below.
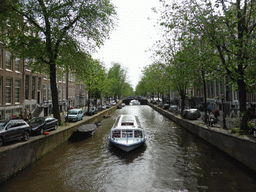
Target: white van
<point x="74" y="115"/>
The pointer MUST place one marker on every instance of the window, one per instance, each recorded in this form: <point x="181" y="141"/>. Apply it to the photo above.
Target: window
<point x="27" y="61"/>
<point x="39" y="83"/>
<point x="8" y="88"/>
<point x="1" y="57"/>
<point x="212" y="89"/>
<point x="8" y="60"/>
<point x="45" y="92"/>
<point x="27" y="87"/>
<point x="33" y="87"/>
<point x="17" y="90"/>
<point x="64" y="93"/>
<point x="17" y="64"/>
<point x="1" y="91"/>
<point x="45" y="76"/>
<point x="236" y="95"/>
<point x="60" y="93"/>
<point x="64" y="77"/>
<point x="217" y="88"/>
<point x="50" y="92"/>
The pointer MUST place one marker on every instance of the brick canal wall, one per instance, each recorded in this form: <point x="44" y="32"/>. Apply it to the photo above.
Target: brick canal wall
<point x="241" y="148"/>
<point x="15" y="157"/>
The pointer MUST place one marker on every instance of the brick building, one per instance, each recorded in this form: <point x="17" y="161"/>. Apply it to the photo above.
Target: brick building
<point x="20" y="89"/>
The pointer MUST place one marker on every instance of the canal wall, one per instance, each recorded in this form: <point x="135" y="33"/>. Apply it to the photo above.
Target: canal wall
<point x="17" y="156"/>
<point x="241" y="148"/>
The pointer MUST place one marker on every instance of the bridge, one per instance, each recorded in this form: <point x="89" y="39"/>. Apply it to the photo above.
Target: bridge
<point x="142" y="100"/>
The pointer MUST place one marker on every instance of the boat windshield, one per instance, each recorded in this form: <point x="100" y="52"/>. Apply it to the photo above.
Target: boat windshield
<point x="127" y="123"/>
<point x="138" y="121"/>
<point x="137" y="134"/>
<point x="117" y="120"/>
<point x="116" y="133"/>
<point x="126" y="133"/>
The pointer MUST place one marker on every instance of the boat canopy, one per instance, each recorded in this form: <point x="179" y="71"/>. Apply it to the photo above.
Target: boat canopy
<point x="127" y="133"/>
<point x="127" y="120"/>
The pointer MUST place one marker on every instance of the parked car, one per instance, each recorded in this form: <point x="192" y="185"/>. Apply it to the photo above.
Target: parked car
<point x="253" y="123"/>
<point x="191" y="114"/>
<point x="173" y="108"/>
<point x="160" y="104"/>
<point x="112" y="103"/>
<point x="101" y="108"/>
<point x="41" y="124"/>
<point x="107" y="106"/>
<point x="92" y="111"/>
<point x="165" y="106"/>
<point x="153" y="101"/>
<point x="74" y="115"/>
<point x="13" y="130"/>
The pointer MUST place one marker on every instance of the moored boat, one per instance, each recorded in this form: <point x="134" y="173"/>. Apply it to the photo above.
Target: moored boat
<point x="127" y="133"/>
<point x="106" y="116"/>
<point x="84" y="131"/>
<point x="119" y="107"/>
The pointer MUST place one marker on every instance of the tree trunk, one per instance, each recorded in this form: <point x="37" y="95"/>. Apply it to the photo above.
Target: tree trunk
<point x="205" y="104"/>
<point x="182" y="96"/>
<point x="88" y="103"/>
<point x="54" y="90"/>
<point x="242" y="103"/>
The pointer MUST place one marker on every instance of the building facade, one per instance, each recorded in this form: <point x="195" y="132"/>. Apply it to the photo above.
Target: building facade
<point x="220" y="94"/>
<point x="22" y="89"/>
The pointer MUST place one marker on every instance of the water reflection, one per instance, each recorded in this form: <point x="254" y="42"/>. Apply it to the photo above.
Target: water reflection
<point x="172" y="159"/>
<point x="128" y="157"/>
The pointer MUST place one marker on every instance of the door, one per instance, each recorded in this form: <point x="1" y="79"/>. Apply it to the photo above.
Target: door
<point x="10" y="132"/>
<point x="39" y="97"/>
<point x="48" y="124"/>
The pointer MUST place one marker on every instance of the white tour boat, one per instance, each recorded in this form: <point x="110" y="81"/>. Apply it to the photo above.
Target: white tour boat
<point x="127" y="133"/>
<point x="135" y="102"/>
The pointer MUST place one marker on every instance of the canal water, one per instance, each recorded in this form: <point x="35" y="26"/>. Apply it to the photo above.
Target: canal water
<point x="172" y="159"/>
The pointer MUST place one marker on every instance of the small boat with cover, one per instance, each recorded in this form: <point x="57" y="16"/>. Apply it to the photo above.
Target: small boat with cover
<point x="84" y="131"/>
<point x="127" y="133"/>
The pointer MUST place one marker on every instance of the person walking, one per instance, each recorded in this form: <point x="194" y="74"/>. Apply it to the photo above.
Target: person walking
<point x="216" y="113"/>
<point x="25" y="116"/>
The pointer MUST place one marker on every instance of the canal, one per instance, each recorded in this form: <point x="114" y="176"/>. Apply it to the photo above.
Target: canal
<point x="172" y="159"/>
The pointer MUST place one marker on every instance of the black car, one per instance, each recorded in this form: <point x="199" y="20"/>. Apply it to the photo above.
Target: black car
<point x="165" y="106"/>
<point x="253" y="124"/>
<point x="173" y="108"/>
<point x="191" y="114"/>
<point x="41" y="124"/>
<point x="92" y="111"/>
<point x="13" y="130"/>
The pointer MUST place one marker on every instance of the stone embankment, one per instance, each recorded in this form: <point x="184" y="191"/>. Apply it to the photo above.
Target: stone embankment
<point x="242" y="148"/>
<point x="17" y="156"/>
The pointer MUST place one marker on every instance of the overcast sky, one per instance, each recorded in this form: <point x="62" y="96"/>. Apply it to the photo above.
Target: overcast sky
<point x="134" y="35"/>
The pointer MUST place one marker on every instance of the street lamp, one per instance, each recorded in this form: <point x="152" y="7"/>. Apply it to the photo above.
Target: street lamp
<point x="223" y="111"/>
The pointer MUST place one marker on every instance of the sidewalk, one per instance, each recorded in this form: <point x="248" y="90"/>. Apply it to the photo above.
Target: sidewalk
<point x="230" y="122"/>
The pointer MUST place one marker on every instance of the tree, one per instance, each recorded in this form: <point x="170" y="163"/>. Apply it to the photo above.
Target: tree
<point x="141" y="88"/>
<point x="44" y="27"/>
<point x="206" y="65"/>
<point x="152" y="76"/>
<point x="93" y="75"/>
<point x="181" y="73"/>
<point x="230" y="27"/>
<point x="117" y="76"/>
<point x="127" y="90"/>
